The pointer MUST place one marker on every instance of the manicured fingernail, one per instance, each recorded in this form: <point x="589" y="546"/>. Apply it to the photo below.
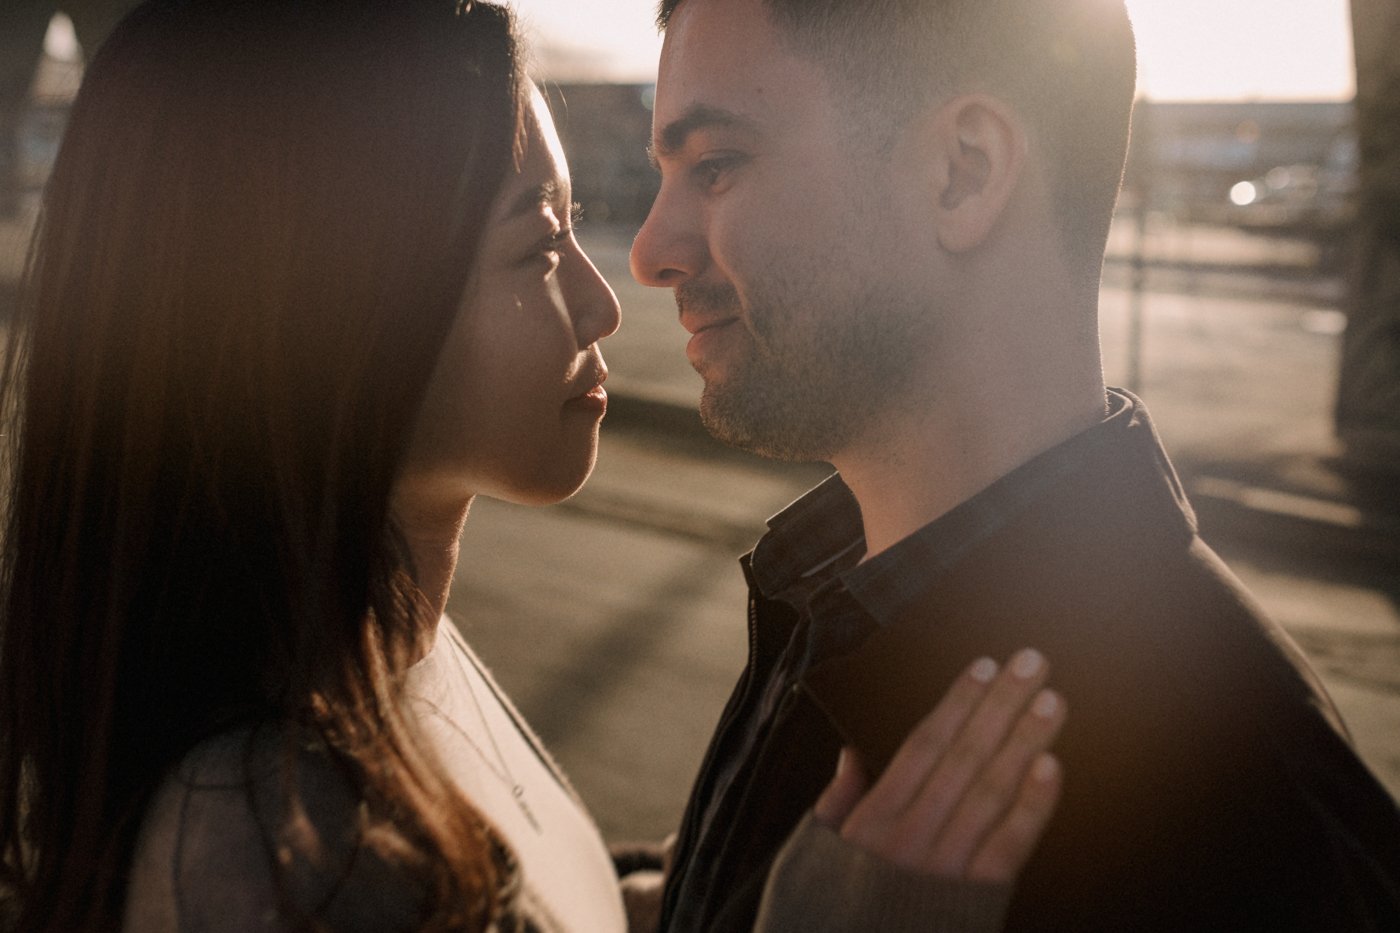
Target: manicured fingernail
<point x="1046" y="768"/>
<point x="1046" y="704"/>
<point x="983" y="670"/>
<point x="1027" y="663"/>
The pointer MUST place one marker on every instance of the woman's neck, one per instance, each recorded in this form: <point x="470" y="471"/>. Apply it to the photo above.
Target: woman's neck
<point x="432" y="529"/>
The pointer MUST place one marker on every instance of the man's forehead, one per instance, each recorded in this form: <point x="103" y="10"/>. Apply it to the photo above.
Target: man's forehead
<point x="710" y="43"/>
<point x="716" y="13"/>
<point x="723" y="64"/>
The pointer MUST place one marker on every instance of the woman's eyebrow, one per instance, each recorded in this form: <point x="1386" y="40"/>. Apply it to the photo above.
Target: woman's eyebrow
<point x="551" y="193"/>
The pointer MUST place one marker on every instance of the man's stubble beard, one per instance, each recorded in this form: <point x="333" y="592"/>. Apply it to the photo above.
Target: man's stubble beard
<point x="819" y="370"/>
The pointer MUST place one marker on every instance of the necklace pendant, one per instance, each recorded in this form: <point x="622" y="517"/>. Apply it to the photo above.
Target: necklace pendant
<point x="525" y="810"/>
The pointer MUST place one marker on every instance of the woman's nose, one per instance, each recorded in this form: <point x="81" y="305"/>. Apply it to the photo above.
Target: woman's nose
<point x="599" y="313"/>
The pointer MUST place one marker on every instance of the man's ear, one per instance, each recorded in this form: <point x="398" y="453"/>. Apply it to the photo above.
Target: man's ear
<point x="978" y="147"/>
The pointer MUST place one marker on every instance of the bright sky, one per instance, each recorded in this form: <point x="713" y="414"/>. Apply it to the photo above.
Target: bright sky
<point x="1188" y="49"/>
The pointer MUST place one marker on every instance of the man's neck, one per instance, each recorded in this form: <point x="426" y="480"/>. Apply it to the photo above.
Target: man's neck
<point x="914" y="468"/>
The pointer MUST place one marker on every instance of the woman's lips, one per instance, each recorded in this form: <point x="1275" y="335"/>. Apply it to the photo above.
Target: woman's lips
<point x="594" y="400"/>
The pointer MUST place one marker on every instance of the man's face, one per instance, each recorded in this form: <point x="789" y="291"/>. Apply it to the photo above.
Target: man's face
<point x="782" y="233"/>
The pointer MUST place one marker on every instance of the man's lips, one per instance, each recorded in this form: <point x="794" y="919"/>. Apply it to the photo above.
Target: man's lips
<point x="708" y="339"/>
<point x="699" y="327"/>
<point x="709" y="313"/>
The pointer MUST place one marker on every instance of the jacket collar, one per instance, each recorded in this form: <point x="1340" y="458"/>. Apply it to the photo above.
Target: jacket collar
<point x="820" y="536"/>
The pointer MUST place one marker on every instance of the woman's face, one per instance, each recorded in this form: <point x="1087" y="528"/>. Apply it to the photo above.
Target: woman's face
<point x="513" y="407"/>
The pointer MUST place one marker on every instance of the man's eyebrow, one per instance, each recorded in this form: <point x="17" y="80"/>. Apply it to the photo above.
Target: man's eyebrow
<point x="673" y="136"/>
<point x="532" y="199"/>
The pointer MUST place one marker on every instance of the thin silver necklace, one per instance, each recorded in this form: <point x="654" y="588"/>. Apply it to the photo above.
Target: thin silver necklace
<point x="499" y="767"/>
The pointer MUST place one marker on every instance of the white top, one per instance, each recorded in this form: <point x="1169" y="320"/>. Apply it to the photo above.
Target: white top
<point x="501" y="767"/>
<point x="203" y="858"/>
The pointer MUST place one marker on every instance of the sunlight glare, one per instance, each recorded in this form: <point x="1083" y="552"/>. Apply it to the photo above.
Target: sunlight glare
<point x="1188" y="49"/>
<point x="1244" y="49"/>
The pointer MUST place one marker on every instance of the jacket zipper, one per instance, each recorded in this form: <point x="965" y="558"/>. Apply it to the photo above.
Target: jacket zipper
<point x="737" y="702"/>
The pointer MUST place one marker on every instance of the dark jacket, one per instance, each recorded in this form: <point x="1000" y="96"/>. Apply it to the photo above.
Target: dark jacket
<point x="1208" y="782"/>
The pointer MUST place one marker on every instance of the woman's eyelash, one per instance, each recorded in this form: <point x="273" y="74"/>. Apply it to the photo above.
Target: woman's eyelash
<point x="559" y="238"/>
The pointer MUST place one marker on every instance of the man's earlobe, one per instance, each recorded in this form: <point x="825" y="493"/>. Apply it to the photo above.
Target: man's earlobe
<point x="985" y="151"/>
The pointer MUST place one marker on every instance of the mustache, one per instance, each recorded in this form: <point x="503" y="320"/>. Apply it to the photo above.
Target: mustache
<point x="706" y="299"/>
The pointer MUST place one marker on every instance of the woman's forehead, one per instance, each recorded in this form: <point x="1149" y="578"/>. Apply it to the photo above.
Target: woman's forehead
<point x="543" y="174"/>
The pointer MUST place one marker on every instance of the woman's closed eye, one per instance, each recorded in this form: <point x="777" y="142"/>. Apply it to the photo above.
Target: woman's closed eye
<point x="552" y="246"/>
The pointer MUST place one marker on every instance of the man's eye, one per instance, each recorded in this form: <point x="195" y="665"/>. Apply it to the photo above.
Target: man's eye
<point x="709" y="173"/>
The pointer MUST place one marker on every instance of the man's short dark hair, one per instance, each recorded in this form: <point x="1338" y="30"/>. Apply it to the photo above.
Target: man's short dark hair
<point x="1068" y="66"/>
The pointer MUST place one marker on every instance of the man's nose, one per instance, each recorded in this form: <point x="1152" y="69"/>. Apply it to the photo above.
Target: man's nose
<point x="670" y="248"/>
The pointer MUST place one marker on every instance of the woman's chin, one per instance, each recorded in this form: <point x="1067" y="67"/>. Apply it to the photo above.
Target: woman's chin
<point x="549" y="489"/>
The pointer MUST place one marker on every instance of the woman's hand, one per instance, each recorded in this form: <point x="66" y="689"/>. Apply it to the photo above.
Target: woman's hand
<point x="972" y="788"/>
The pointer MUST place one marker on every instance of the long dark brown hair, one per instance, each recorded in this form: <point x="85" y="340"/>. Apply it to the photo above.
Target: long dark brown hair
<point x="251" y="249"/>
